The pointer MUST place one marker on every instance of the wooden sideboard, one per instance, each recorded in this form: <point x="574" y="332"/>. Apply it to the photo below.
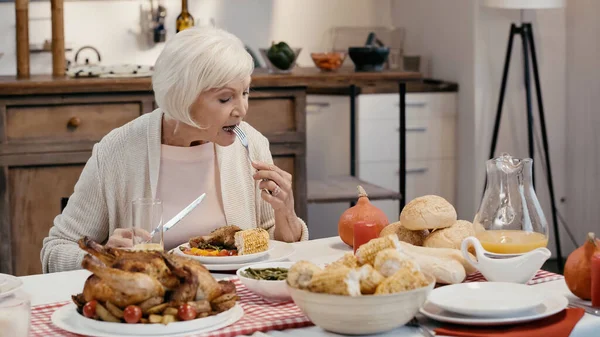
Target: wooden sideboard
<point x="48" y="127"/>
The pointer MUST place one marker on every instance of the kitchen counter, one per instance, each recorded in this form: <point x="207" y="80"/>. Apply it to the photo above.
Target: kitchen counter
<point x="301" y="77"/>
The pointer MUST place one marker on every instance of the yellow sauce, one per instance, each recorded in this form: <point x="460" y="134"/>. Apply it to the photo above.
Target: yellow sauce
<point x="511" y="241"/>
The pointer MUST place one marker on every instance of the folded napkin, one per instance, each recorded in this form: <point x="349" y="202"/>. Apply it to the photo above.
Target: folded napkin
<point x="558" y="325"/>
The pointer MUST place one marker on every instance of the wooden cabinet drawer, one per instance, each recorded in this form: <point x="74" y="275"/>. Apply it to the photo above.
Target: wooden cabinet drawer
<point x="418" y="105"/>
<point x="422" y="177"/>
<point x="426" y="138"/>
<point x="272" y="115"/>
<point x="51" y="123"/>
<point x="35" y="195"/>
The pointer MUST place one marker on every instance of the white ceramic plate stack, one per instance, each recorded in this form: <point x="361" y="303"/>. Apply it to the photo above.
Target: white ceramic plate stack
<point x="491" y="303"/>
<point x="277" y="251"/>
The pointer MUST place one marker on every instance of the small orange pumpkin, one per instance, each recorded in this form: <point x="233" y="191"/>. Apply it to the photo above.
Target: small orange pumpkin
<point x="577" y="272"/>
<point x="362" y="211"/>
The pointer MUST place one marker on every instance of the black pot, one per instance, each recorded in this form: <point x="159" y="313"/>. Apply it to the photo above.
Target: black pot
<point x="369" y="58"/>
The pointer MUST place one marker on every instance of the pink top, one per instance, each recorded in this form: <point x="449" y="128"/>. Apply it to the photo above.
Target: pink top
<point x="185" y="173"/>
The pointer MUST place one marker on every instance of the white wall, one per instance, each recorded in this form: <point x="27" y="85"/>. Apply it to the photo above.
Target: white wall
<point x="444" y="33"/>
<point x="583" y="122"/>
<point x="467" y="43"/>
<point x="111" y="26"/>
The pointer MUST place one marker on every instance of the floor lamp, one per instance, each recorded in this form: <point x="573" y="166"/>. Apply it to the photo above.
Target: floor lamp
<point x="525" y="30"/>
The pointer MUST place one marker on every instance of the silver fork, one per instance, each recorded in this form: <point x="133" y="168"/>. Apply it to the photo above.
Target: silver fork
<point x="243" y="139"/>
<point x="414" y="322"/>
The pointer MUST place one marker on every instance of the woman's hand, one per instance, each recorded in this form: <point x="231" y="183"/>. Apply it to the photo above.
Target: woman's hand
<point x="281" y="198"/>
<point x="278" y="183"/>
<point x="124" y="237"/>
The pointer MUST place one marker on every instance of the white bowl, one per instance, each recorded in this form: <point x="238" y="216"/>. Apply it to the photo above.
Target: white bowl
<point x="361" y="315"/>
<point x="276" y="291"/>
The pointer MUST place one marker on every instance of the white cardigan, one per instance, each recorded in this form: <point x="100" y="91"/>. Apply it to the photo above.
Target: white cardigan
<point x="124" y="166"/>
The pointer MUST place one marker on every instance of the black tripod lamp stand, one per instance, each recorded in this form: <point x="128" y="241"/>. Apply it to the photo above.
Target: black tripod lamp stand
<point x="525" y="31"/>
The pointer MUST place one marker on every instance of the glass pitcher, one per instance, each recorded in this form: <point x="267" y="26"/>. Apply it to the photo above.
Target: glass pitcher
<point x="510" y="212"/>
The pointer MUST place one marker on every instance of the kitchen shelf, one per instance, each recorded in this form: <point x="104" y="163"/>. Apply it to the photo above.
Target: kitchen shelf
<point x="344" y="189"/>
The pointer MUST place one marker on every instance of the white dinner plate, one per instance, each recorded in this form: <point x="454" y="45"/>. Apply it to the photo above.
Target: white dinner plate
<point x="9" y="284"/>
<point x="552" y="304"/>
<point x="279" y="251"/>
<point x="67" y="318"/>
<point x="487" y="299"/>
<point x="224" y="259"/>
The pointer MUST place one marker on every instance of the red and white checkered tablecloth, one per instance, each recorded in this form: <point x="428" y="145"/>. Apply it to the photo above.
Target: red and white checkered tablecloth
<point x="259" y="315"/>
<point x="540" y="277"/>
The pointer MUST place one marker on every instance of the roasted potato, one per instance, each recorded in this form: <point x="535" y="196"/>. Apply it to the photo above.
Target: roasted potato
<point x="155" y="318"/>
<point x="150" y="303"/>
<point x="170" y="311"/>
<point x="201" y="306"/>
<point x="105" y="315"/>
<point x="113" y="309"/>
<point x="166" y="319"/>
<point x="224" y="302"/>
<point x="157" y="309"/>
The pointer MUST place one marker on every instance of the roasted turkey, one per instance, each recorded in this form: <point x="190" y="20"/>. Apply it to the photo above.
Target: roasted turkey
<point x="147" y="262"/>
<point x="130" y="277"/>
<point x="221" y="237"/>
<point x="117" y="286"/>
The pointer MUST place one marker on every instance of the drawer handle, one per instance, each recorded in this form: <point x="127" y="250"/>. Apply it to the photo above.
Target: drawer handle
<point x="319" y="104"/>
<point x="417" y="170"/>
<point x="316" y="107"/>
<point x="415" y="129"/>
<point x="414" y="104"/>
<point x="73" y="122"/>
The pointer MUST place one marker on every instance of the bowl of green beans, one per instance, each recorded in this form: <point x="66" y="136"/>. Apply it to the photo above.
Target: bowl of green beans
<point x="267" y="280"/>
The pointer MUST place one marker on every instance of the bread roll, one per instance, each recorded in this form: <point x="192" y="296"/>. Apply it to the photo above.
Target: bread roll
<point x="428" y="212"/>
<point x="413" y="237"/>
<point x="450" y="237"/>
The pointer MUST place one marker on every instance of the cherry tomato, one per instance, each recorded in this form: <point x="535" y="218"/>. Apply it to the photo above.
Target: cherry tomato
<point x="89" y="309"/>
<point x="186" y="312"/>
<point x="132" y="314"/>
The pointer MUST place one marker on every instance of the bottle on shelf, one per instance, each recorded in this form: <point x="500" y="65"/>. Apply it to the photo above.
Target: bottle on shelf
<point x="185" y="20"/>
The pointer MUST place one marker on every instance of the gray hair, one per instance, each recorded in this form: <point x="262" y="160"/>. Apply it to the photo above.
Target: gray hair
<point x="193" y="61"/>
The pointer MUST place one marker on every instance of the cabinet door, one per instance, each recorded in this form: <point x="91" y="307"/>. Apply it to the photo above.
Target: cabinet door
<point x="422" y="177"/>
<point x="35" y="195"/>
<point x="426" y="138"/>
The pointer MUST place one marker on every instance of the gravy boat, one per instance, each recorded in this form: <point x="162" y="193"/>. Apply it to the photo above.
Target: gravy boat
<point x="515" y="268"/>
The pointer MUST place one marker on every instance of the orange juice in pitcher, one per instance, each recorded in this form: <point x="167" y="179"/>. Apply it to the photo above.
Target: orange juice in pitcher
<point x="511" y="241"/>
<point x="510" y="215"/>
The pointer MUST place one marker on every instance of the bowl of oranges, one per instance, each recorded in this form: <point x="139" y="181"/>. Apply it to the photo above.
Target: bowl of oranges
<point x="328" y="61"/>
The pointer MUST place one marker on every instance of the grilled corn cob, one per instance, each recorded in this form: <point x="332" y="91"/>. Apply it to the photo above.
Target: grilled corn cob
<point x="367" y="252"/>
<point x="336" y="281"/>
<point x="251" y="241"/>
<point x="369" y="279"/>
<point x="348" y="260"/>
<point x="390" y="260"/>
<point x="301" y="273"/>
<point x="403" y="280"/>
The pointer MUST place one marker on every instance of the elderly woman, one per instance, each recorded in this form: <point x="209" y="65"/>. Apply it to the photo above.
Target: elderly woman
<point x="184" y="148"/>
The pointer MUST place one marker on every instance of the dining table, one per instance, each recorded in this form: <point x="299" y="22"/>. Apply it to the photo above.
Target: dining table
<point x="58" y="287"/>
